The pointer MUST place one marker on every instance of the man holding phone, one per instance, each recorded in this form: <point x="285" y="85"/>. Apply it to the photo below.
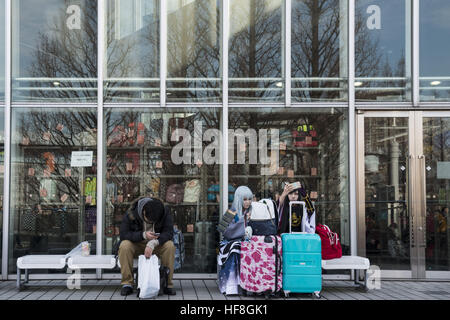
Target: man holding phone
<point x="147" y="228"/>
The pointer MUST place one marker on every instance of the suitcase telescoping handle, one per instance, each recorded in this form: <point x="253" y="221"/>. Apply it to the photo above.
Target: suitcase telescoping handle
<point x="290" y="213"/>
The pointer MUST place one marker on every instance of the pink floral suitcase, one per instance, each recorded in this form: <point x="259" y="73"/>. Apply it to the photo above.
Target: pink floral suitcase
<point x="261" y="264"/>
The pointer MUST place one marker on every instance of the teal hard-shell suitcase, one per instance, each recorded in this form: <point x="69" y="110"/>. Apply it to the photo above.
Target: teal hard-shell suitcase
<point x="302" y="263"/>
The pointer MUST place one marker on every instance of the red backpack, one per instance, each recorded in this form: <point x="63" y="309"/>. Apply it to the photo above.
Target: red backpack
<point x="331" y="246"/>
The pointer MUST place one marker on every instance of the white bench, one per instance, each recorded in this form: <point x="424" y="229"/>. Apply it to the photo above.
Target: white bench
<point x="57" y="262"/>
<point x="353" y="263"/>
<point x="92" y="262"/>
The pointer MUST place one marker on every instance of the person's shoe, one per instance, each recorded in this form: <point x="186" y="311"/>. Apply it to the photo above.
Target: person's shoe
<point x="126" y="290"/>
<point x="170" y="291"/>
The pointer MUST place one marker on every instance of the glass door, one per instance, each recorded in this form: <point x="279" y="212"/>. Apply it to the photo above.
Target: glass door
<point x="404" y="192"/>
<point x="436" y="166"/>
<point x="385" y="213"/>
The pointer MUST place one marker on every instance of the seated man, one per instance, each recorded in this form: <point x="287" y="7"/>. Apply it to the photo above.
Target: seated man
<point x="147" y="228"/>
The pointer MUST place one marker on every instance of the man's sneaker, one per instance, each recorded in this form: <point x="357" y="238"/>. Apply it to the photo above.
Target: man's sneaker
<point x="126" y="290"/>
<point x="170" y="291"/>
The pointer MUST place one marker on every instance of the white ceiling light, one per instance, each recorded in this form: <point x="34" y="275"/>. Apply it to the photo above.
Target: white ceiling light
<point x="435" y="83"/>
<point x="358" y="83"/>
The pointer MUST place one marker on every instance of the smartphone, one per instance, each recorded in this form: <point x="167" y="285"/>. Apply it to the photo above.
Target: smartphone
<point x="296" y="185"/>
<point x="156" y="234"/>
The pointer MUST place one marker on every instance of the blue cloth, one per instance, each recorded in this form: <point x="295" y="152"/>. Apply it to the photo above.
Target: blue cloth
<point x="229" y="259"/>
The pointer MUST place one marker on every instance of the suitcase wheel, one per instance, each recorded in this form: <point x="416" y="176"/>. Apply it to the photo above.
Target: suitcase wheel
<point x="316" y="295"/>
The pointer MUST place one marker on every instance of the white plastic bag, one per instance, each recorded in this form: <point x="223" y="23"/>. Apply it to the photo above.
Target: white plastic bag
<point x="148" y="281"/>
<point x="82" y="249"/>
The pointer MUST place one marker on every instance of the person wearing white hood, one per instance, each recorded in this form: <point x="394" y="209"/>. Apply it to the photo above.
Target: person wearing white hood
<point x="147" y="228"/>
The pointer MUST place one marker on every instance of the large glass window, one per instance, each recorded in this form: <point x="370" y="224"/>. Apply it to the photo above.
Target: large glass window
<point x="383" y="50"/>
<point x="434" y="49"/>
<point x="54" y="50"/>
<point x="53" y="181"/>
<point x="319" y="55"/>
<point x="193" y="51"/>
<point x="132" y="68"/>
<point x="172" y="155"/>
<point x="256" y="51"/>
<point x="271" y="146"/>
<point x="2" y="50"/>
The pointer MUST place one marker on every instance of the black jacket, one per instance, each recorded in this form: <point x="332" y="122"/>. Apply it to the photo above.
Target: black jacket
<point x="132" y="227"/>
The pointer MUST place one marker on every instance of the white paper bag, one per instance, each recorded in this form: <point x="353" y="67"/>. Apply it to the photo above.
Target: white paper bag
<point x="148" y="281"/>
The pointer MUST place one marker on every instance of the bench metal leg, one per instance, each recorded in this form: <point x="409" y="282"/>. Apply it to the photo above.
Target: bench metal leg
<point x="18" y="279"/>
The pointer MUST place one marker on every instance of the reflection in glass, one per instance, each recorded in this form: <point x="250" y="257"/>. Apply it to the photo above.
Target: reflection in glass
<point x="434" y="49"/>
<point x="319" y="66"/>
<point x="255" y="51"/>
<point x="193" y="51"/>
<point x="2" y="171"/>
<point x="132" y="69"/>
<point x="54" y="52"/>
<point x="144" y="157"/>
<point x="383" y="50"/>
<point x="312" y="148"/>
<point x="436" y="146"/>
<point x="53" y="196"/>
<point x="386" y="174"/>
<point x="2" y="50"/>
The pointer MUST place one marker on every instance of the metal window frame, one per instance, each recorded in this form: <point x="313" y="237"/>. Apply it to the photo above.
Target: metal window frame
<point x="352" y="126"/>
<point x="7" y="137"/>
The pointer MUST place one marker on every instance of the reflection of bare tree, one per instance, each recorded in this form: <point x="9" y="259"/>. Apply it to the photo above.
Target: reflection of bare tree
<point x="133" y="54"/>
<point x="193" y="50"/>
<point x="65" y="53"/>
<point x="371" y="62"/>
<point x="47" y="141"/>
<point x="255" y="47"/>
<point x="317" y="43"/>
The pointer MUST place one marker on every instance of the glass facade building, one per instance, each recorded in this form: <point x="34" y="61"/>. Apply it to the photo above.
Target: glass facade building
<point x="185" y="100"/>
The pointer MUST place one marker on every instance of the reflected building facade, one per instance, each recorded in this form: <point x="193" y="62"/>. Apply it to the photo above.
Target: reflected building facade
<point x="186" y="100"/>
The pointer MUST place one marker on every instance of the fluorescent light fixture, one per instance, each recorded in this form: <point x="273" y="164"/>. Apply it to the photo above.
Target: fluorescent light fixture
<point x="435" y="83"/>
<point x="56" y="83"/>
<point x="279" y="84"/>
<point x="358" y="83"/>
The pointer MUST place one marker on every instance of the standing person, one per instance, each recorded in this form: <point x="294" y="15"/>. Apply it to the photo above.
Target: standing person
<point x="230" y="247"/>
<point x="147" y="228"/>
<point x="299" y="222"/>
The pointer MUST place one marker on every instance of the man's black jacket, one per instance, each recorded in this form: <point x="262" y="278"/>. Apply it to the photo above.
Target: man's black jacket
<point x="132" y="226"/>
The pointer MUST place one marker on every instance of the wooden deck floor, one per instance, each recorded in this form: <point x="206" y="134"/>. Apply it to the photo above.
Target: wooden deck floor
<point x="208" y="290"/>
